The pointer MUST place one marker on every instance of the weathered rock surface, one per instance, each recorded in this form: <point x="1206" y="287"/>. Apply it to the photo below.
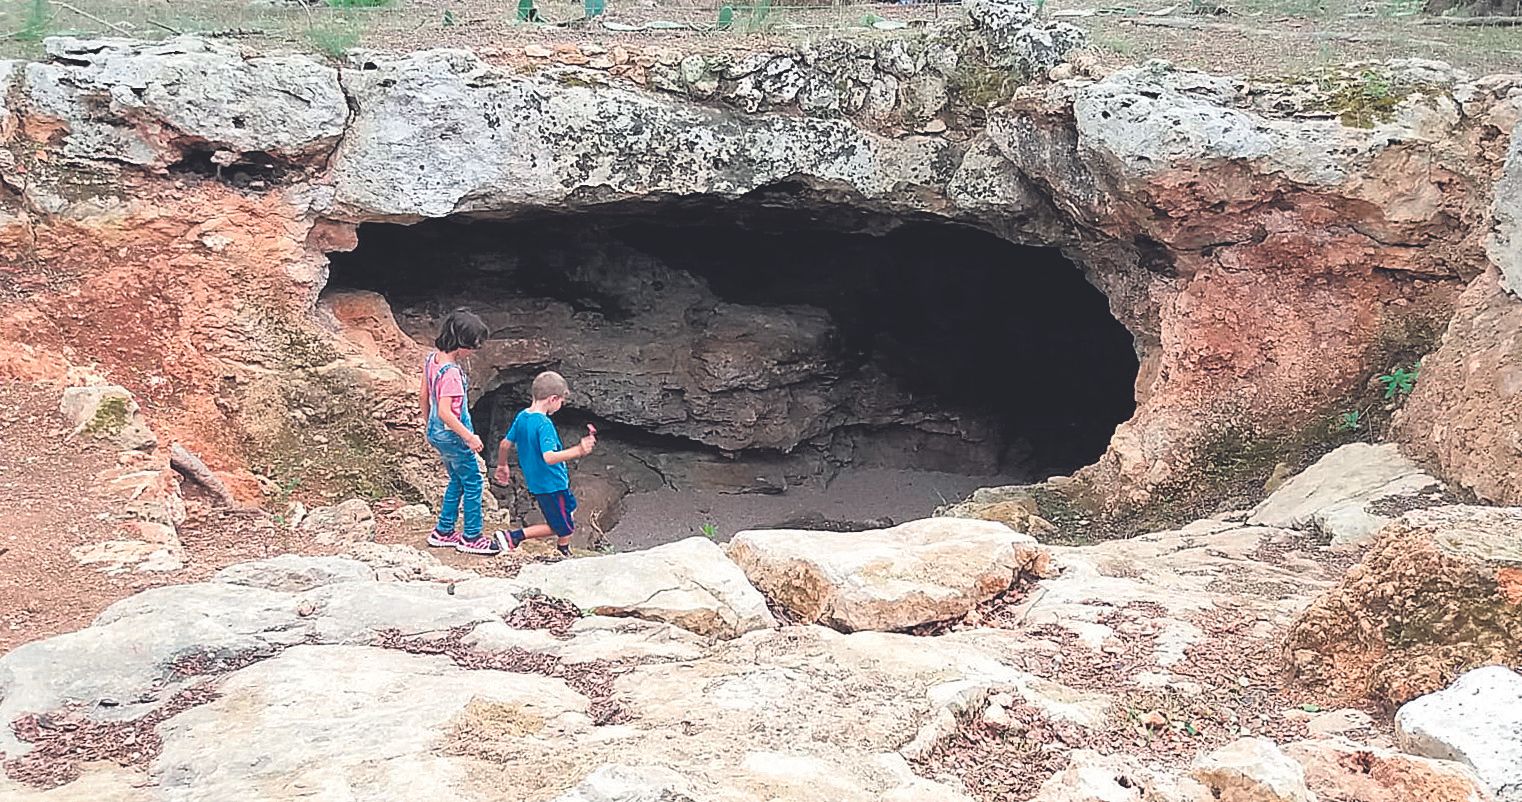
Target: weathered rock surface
<point x="1092" y="777"/>
<point x="1476" y="721"/>
<point x="1252" y="770"/>
<point x="887" y="579"/>
<point x="689" y="583"/>
<point x="108" y="412"/>
<point x="1159" y="582"/>
<point x="1346" y="770"/>
<point x="151" y="104"/>
<point x="1464" y="415"/>
<point x="289" y="573"/>
<point x="1437" y="593"/>
<point x="349" y="720"/>
<point x="348" y="522"/>
<point x="1339" y="495"/>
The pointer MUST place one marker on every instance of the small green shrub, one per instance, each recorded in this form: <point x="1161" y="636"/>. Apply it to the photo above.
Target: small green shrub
<point x="1400" y="382"/>
<point x="1350" y="421"/>
<point x="709" y="531"/>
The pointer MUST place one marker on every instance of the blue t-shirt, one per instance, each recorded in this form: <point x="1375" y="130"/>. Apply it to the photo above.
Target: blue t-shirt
<point x="533" y="435"/>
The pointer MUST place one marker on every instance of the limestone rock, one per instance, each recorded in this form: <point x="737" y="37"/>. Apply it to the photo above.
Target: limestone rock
<point x="108" y="412"/>
<point x="1092" y="777"/>
<point x="887" y="579"/>
<point x="395" y="562"/>
<point x="356" y="721"/>
<point x="348" y="522"/>
<point x="1252" y="770"/>
<point x="1477" y="721"/>
<point x="689" y="583"/>
<point x="147" y="103"/>
<point x="1464" y="416"/>
<point x="134" y="656"/>
<point x="1338" y="495"/>
<point x="1438" y="592"/>
<point x="1344" y="770"/>
<point x="488" y="149"/>
<point x="290" y="573"/>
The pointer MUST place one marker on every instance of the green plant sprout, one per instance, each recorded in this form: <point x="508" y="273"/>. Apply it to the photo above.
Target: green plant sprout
<point x="1348" y="421"/>
<point x="1400" y="381"/>
<point x="709" y="531"/>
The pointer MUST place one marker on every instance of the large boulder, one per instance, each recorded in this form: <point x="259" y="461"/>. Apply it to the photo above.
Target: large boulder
<point x="151" y="103"/>
<point x="887" y="579"/>
<point x="689" y="583"/>
<point x="1465" y="414"/>
<point x="1337" y="769"/>
<point x="1339" y="496"/>
<point x="1477" y="721"/>
<point x="1439" y="592"/>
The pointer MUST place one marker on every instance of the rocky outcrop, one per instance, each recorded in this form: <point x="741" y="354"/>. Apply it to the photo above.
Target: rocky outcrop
<point x="1476" y="721"/>
<point x="887" y="579"/>
<point x="152" y="105"/>
<point x="1438" y="592"/>
<point x="1342" y="494"/>
<point x="688" y="583"/>
<point x="280" y="157"/>
<point x="1464" y="416"/>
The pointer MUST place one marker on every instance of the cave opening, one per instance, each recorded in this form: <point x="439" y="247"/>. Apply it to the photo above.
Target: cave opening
<point x="751" y="364"/>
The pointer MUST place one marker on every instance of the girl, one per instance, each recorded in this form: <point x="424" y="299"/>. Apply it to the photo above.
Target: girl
<point x="442" y="394"/>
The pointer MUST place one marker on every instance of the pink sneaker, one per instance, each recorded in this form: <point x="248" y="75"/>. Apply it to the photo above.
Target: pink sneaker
<point x="490" y="545"/>
<point x="443" y="540"/>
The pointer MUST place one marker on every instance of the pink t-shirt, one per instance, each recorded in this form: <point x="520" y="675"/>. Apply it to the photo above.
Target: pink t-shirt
<point x="449" y="385"/>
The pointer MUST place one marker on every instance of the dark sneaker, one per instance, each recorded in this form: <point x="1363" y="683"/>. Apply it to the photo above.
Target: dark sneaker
<point x="443" y="540"/>
<point x="489" y="545"/>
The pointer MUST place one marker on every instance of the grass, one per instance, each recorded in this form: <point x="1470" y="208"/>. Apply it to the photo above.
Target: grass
<point x="1308" y="34"/>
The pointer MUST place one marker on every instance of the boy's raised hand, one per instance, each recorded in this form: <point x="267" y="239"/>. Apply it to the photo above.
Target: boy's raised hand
<point x="590" y="441"/>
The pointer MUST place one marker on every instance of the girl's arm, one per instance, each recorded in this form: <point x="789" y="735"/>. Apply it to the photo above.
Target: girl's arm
<point x="452" y="421"/>
<point x="422" y="397"/>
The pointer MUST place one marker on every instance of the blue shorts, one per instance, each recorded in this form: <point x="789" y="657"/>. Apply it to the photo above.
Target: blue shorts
<point x="557" y="508"/>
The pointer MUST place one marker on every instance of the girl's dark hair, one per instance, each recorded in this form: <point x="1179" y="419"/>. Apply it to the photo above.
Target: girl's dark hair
<point x="462" y="329"/>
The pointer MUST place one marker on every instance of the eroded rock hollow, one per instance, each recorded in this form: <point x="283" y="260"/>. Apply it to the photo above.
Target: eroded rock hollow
<point x="754" y="346"/>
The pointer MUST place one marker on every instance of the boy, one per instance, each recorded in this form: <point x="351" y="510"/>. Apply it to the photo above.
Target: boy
<point x="542" y="461"/>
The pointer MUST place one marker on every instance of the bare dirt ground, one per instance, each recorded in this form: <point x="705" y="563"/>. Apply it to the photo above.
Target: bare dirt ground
<point x="1244" y="37"/>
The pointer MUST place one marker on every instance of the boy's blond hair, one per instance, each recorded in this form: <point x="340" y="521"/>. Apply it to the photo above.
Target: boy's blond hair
<point x="547" y="384"/>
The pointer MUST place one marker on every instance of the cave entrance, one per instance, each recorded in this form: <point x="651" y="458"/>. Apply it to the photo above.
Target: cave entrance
<point x="748" y="365"/>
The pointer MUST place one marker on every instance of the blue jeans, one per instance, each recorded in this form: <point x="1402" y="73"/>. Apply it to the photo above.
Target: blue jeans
<point x="464" y="487"/>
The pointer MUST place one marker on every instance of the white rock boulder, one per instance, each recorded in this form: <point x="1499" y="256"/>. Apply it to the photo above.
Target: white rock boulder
<point x="1252" y="770"/>
<point x="1476" y="721"/>
<point x="893" y="579"/>
<point x="1338" y="495"/>
<point x="689" y="583"/>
